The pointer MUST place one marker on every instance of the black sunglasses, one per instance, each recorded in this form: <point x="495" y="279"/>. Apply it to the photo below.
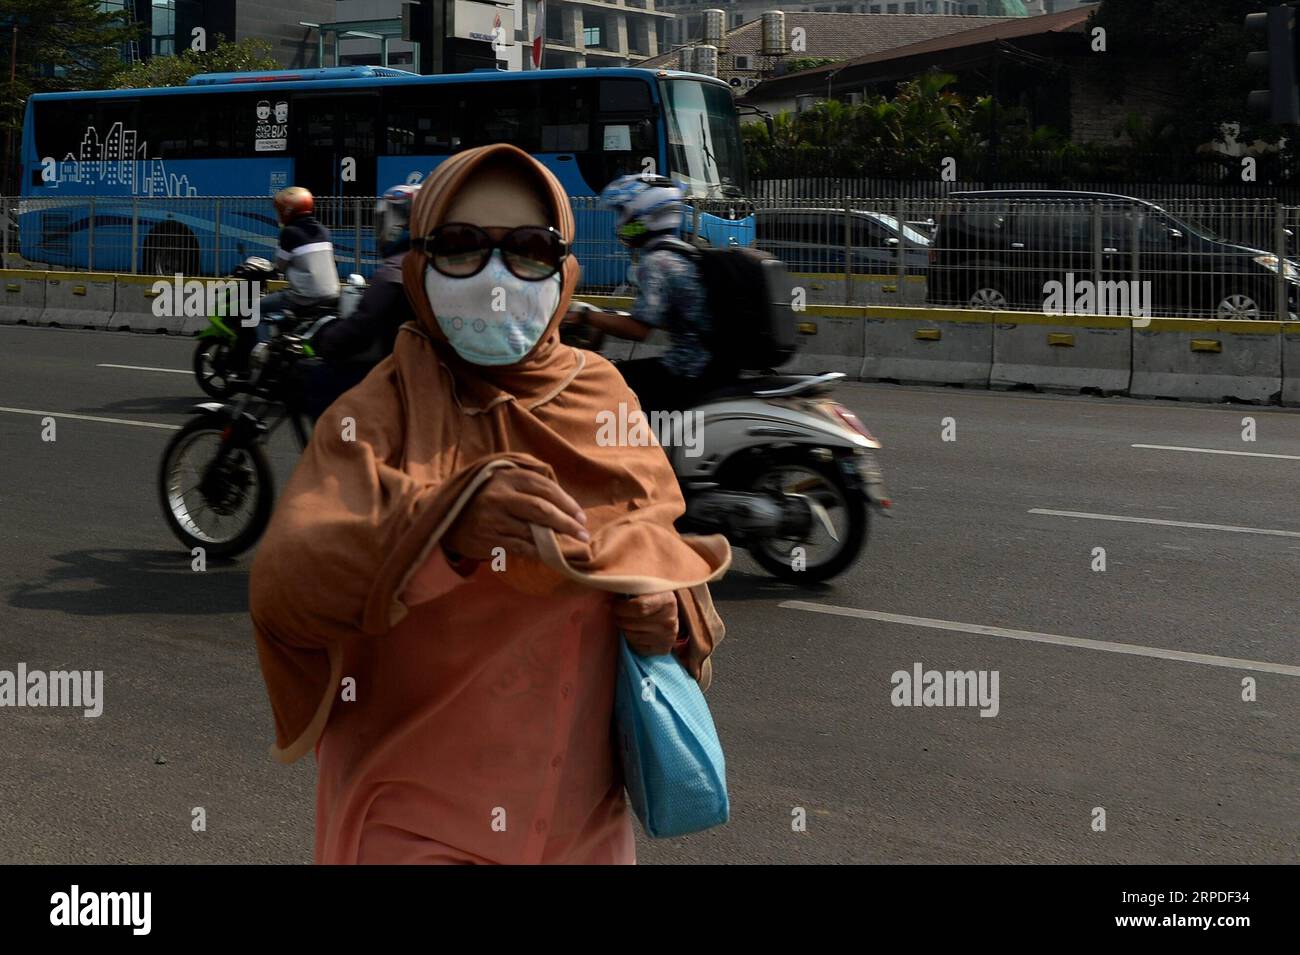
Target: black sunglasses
<point x="459" y="250"/>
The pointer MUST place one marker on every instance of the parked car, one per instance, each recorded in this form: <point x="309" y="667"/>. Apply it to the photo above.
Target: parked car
<point x="813" y="243"/>
<point x="1001" y="248"/>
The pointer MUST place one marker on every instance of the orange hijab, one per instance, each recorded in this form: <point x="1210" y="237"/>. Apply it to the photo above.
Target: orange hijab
<point x="392" y="464"/>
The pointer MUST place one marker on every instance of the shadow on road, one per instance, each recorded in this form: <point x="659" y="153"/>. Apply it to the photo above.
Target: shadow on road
<point x="173" y="404"/>
<point x="739" y="585"/>
<point x="104" y="582"/>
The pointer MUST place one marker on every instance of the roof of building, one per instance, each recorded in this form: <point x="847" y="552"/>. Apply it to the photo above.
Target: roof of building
<point x="1005" y="28"/>
<point x="842" y="35"/>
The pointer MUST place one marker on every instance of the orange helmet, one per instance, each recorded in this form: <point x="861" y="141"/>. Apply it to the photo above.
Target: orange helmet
<point x="293" y="201"/>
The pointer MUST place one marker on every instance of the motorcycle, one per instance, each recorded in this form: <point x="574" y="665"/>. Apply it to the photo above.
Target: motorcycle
<point x="214" y="367"/>
<point x="777" y="467"/>
<point x="215" y="481"/>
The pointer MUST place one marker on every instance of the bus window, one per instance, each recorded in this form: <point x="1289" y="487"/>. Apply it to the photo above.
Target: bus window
<point x="60" y="126"/>
<point x="625" y="96"/>
<point x="500" y="113"/>
<point x="566" y="116"/>
<point x="624" y="135"/>
<point x="334" y="143"/>
<point x="704" y="148"/>
<point x="186" y="127"/>
<point x="415" y="124"/>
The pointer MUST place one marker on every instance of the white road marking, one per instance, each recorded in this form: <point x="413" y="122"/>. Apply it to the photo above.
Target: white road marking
<point x="170" y="371"/>
<point x="1240" y="454"/>
<point x="89" y="417"/>
<point x="1271" y="532"/>
<point x="1131" y="649"/>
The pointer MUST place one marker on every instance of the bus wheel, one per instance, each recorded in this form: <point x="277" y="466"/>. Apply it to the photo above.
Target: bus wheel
<point x="169" y="249"/>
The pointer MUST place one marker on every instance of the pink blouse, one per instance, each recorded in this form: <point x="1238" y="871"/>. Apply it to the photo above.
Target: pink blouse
<point x="480" y="732"/>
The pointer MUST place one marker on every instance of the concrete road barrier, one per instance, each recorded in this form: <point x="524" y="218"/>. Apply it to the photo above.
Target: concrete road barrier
<point x="931" y="345"/>
<point x="78" y="299"/>
<point x="1069" y="353"/>
<point x="829" y="288"/>
<point x="830" y="339"/>
<point x="133" y="306"/>
<point x="23" y="298"/>
<point x="1291" y="364"/>
<point x="137" y="301"/>
<point x="1208" y="360"/>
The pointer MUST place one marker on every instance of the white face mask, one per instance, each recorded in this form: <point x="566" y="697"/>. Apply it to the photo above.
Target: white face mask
<point x="494" y="317"/>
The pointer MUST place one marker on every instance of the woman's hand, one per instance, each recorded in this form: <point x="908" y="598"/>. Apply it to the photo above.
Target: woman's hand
<point x="649" y="622"/>
<point x="499" y="515"/>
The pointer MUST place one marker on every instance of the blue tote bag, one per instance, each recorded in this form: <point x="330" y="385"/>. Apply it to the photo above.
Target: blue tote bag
<point x="673" y="767"/>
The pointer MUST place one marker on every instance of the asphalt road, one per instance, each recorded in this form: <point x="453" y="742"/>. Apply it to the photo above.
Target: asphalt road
<point x="982" y="568"/>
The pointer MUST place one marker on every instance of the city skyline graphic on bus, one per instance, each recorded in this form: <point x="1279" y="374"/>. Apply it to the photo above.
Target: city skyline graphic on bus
<point x="118" y="161"/>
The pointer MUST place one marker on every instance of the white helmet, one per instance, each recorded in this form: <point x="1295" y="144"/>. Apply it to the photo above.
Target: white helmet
<point x="393" y="218"/>
<point x="643" y="205"/>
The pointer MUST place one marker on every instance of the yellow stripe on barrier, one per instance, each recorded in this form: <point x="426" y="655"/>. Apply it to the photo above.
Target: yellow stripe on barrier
<point x="13" y="287"/>
<point x="807" y="328"/>
<point x="1071" y="321"/>
<point x="1060" y="339"/>
<point x="1206" y="344"/>
<point x="80" y="277"/>
<point x="837" y="278"/>
<point x="928" y="335"/>
<point x="1212" y="326"/>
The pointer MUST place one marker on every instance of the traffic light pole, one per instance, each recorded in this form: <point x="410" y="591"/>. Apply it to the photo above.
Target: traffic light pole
<point x="1281" y="101"/>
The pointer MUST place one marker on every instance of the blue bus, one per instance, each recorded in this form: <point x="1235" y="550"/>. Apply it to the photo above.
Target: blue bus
<point x="131" y="180"/>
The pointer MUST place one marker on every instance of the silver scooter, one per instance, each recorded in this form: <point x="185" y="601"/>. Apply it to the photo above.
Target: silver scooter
<point x="778" y="467"/>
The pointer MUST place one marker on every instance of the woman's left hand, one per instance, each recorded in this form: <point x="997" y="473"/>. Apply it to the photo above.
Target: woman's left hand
<point x="649" y="622"/>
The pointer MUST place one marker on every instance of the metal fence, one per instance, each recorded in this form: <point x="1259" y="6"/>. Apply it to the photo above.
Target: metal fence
<point x="1197" y="257"/>
<point x="1204" y="258"/>
<point x="201" y="235"/>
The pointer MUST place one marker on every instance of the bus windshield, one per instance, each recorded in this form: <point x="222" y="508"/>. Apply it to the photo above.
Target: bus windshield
<point x="704" y="151"/>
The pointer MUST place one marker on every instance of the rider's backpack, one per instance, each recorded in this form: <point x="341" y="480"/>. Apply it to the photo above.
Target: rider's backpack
<point x="750" y="300"/>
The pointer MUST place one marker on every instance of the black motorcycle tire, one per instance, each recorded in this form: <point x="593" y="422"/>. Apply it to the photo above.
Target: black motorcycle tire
<point x="220" y="354"/>
<point x="265" y="490"/>
<point x="855" y="538"/>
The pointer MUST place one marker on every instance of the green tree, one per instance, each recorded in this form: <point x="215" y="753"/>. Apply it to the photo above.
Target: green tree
<point x="248" y="54"/>
<point x="60" y="45"/>
<point x="1203" y="46"/>
<point x="800" y="63"/>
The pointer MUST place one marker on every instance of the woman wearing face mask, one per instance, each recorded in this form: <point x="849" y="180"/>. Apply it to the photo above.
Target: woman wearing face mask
<point x="452" y="653"/>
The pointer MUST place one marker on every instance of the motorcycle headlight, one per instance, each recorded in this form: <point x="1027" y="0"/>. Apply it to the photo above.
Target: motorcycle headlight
<point x="1288" y="268"/>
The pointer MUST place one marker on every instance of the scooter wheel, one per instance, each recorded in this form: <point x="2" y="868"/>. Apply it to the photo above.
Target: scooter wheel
<point x="819" y="557"/>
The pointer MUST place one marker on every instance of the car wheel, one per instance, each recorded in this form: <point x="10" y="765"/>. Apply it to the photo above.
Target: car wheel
<point x="987" y="297"/>
<point x="1237" y="307"/>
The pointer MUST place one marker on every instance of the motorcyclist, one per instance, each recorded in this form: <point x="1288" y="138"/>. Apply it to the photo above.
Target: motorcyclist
<point x="352" y="346"/>
<point x="305" y="256"/>
<point x="671" y="295"/>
